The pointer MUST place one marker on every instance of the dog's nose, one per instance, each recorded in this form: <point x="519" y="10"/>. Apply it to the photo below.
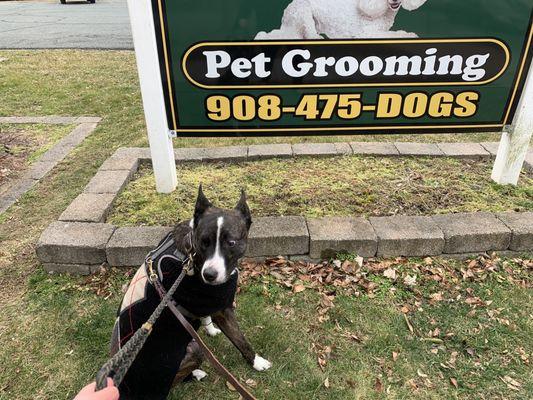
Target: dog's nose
<point x="210" y="274"/>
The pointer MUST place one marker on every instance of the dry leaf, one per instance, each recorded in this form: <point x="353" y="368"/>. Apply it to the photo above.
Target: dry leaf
<point x="250" y="382"/>
<point x="390" y="273"/>
<point x="394" y="356"/>
<point x="378" y="385"/>
<point x="421" y="374"/>
<point x="454" y="382"/>
<point x="409" y="280"/>
<point x="230" y="386"/>
<point x="298" y="288"/>
<point x="326" y="383"/>
<point x="511" y="383"/>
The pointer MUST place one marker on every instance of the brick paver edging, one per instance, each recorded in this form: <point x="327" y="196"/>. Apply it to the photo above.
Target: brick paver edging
<point x="42" y="166"/>
<point x="80" y="241"/>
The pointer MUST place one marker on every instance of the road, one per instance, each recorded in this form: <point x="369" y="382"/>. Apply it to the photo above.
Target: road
<point x="75" y="25"/>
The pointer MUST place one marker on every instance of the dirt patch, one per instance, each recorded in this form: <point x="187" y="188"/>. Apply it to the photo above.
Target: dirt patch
<point x="20" y="145"/>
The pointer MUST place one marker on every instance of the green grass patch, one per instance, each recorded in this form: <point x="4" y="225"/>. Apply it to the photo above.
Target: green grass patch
<point x="326" y="186"/>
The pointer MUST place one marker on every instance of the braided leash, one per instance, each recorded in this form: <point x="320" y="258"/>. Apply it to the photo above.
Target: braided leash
<point x="117" y="366"/>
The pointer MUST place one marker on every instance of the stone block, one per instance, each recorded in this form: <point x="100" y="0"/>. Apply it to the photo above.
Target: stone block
<point x="491" y="147"/>
<point x="343" y="149"/>
<point x="274" y="236"/>
<point x="72" y="269"/>
<point x="129" y="245"/>
<point x="374" y="148"/>
<point x="141" y="153"/>
<point x="418" y="149"/>
<point x="464" y="150"/>
<point x="74" y="243"/>
<point x="263" y="151"/>
<point x="89" y="207"/>
<point x="108" y="181"/>
<point x="84" y="120"/>
<point x="57" y="153"/>
<point x="473" y="232"/>
<point x="78" y="134"/>
<point x="189" y="154"/>
<point x="332" y="235"/>
<point x="410" y="236"/>
<point x="120" y="163"/>
<point x="314" y="149"/>
<point x="228" y="153"/>
<point x="39" y="169"/>
<point x="521" y="226"/>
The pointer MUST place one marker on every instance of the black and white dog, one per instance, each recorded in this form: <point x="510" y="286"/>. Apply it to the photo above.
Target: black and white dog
<point x="217" y="238"/>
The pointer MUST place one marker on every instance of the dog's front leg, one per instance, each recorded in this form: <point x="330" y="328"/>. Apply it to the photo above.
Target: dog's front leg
<point x="227" y="322"/>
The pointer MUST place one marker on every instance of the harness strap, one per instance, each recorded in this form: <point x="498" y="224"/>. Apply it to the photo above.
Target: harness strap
<point x="222" y="371"/>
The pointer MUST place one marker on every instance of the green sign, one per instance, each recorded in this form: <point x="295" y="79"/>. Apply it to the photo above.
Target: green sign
<point x="319" y="67"/>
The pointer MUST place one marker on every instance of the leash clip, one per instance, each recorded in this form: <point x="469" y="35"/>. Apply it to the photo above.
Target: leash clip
<point x="152" y="275"/>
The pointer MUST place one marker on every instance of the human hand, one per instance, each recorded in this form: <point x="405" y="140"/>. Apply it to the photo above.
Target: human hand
<point x="88" y="393"/>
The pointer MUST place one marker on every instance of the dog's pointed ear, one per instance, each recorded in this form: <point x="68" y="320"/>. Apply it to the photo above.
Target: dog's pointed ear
<point x="242" y="207"/>
<point x="202" y="204"/>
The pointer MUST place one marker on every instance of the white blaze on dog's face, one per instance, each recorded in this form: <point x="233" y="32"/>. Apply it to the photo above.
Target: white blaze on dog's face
<point x="220" y="238"/>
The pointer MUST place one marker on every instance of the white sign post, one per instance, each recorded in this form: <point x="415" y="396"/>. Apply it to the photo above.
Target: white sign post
<point x="163" y="160"/>
<point x="514" y="143"/>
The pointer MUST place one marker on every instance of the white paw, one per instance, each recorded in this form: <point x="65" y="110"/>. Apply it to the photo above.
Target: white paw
<point x="260" y="364"/>
<point x="198" y="374"/>
<point x="212" y="330"/>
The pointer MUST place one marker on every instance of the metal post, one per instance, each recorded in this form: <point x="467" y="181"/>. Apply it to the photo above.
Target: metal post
<point x="514" y="144"/>
<point x="143" y="30"/>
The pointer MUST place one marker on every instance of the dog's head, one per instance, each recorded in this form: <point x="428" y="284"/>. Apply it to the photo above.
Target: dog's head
<point x="407" y="4"/>
<point x="219" y="238"/>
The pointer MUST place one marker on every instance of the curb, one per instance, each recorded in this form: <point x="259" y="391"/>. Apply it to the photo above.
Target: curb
<point x="81" y="239"/>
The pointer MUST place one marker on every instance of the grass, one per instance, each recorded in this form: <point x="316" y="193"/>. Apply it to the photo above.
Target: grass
<point x="328" y="186"/>
<point x="57" y="337"/>
<point x="54" y="330"/>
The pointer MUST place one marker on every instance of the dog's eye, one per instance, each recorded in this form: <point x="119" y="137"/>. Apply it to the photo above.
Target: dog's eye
<point x="231" y="243"/>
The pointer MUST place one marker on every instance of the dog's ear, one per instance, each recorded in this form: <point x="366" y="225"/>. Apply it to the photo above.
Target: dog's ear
<point x="411" y="5"/>
<point x="242" y="207"/>
<point x="202" y="204"/>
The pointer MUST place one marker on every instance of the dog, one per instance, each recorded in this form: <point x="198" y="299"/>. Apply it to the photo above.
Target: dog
<point x="215" y="239"/>
<point x="341" y="19"/>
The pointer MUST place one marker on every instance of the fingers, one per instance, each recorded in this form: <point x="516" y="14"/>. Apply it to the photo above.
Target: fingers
<point x="88" y="392"/>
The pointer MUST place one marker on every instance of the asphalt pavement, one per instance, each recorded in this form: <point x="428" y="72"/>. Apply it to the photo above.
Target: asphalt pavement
<point x="77" y="25"/>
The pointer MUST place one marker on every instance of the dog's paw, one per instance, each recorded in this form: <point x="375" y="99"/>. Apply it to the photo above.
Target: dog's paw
<point x="212" y="330"/>
<point x="260" y="364"/>
<point x="198" y="374"/>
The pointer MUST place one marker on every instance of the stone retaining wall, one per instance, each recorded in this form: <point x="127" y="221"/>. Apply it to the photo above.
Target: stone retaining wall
<point x="81" y="241"/>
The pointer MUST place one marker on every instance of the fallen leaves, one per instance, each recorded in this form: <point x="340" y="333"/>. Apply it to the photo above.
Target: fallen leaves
<point x="511" y="383"/>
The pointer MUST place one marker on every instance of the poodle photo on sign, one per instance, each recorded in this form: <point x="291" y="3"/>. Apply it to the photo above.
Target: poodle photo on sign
<point x="341" y="19"/>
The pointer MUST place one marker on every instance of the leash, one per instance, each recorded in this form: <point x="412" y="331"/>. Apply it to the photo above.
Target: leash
<point x="117" y="366"/>
<point x="217" y="365"/>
